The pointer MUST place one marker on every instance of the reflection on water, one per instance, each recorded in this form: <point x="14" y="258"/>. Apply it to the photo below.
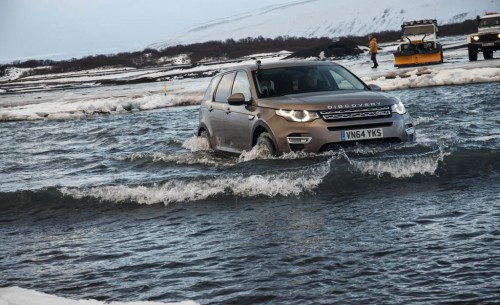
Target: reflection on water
<point x="134" y="207"/>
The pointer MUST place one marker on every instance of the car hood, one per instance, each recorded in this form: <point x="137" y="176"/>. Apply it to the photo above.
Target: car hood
<point x="328" y="100"/>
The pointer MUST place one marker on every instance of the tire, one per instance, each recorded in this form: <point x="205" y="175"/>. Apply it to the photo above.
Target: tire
<point x="265" y="141"/>
<point x="488" y="53"/>
<point x="205" y="135"/>
<point x="472" y="54"/>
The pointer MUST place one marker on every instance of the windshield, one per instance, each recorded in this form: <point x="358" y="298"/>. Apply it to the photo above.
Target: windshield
<point x="489" y="22"/>
<point x="419" y="30"/>
<point x="302" y="79"/>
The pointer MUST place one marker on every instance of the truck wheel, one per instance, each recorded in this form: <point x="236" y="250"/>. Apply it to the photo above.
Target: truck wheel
<point x="488" y="54"/>
<point x="472" y="54"/>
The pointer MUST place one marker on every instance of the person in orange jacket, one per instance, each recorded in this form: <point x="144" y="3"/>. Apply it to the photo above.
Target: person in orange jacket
<point x="373" y="50"/>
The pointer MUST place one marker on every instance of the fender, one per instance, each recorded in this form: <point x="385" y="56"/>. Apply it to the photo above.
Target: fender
<point x="201" y="127"/>
<point x="261" y="124"/>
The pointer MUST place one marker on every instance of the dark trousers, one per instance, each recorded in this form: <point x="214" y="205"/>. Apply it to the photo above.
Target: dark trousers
<point x="374" y="59"/>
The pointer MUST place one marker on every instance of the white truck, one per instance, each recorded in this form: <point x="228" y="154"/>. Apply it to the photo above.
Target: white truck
<point x="419" y="44"/>
<point x="487" y="38"/>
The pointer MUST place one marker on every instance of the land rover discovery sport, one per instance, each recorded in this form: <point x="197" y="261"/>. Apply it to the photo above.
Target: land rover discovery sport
<point x="306" y="106"/>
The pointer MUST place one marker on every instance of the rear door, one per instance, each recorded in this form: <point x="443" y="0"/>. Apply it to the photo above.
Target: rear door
<point x="238" y="117"/>
<point x="218" y="110"/>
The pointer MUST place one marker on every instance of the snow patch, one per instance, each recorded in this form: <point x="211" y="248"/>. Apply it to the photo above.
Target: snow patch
<point x="21" y="296"/>
<point x="458" y="76"/>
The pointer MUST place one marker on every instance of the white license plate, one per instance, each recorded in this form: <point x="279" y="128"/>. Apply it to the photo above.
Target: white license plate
<point x="488" y="44"/>
<point x="362" y="134"/>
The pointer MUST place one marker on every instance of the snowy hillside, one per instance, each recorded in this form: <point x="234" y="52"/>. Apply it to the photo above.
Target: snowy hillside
<point x="329" y="18"/>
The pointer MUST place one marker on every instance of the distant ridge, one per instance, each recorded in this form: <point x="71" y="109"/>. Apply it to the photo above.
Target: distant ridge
<point x="330" y="18"/>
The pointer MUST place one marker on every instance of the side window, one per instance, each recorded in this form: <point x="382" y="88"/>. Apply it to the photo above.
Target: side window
<point x="224" y="88"/>
<point x="242" y="85"/>
<point x="209" y="93"/>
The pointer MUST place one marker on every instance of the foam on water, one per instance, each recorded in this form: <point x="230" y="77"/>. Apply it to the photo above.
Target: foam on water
<point x="179" y="158"/>
<point x="260" y="152"/>
<point x="423" y="120"/>
<point x="486" y="138"/>
<point x="22" y="296"/>
<point x="400" y="165"/>
<point x="200" y="153"/>
<point x="196" y="143"/>
<point x="271" y="184"/>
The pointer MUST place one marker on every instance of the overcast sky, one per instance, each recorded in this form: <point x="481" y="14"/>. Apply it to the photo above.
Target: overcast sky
<point x="58" y="29"/>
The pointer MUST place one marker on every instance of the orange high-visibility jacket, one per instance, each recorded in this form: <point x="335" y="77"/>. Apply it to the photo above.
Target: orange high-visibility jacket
<point x="373" y="45"/>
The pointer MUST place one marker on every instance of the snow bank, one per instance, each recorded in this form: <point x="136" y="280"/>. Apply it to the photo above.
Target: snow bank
<point x="413" y="79"/>
<point x="98" y="101"/>
<point x="13" y="73"/>
<point x="34" y="104"/>
<point x="21" y="296"/>
<point x="86" y="108"/>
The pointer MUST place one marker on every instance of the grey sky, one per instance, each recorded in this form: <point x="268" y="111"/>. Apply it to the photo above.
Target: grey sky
<point x="57" y="29"/>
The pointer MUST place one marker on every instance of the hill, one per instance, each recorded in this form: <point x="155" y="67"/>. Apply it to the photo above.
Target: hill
<point x="327" y="18"/>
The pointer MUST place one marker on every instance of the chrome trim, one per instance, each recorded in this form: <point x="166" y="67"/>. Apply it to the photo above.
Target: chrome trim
<point x="356" y="113"/>
<point x="298" y="140"/>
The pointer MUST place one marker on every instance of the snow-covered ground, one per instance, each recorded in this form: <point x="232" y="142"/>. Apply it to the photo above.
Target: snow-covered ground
<point x="21" y="296"/>
<point x="39" y="97"/>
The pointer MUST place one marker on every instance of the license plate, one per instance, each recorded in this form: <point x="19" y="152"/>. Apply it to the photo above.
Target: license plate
<point x="362" y="134"/>
<point x="488" y="44"/>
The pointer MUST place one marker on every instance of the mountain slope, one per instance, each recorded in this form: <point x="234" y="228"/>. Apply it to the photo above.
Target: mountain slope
<point x="329" y="18"/>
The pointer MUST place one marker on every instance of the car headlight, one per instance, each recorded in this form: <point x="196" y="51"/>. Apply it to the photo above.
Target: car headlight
<point x="297" y="115"/>
<point x="475" y="38"/>
<point x="498" y="35"/>
<point x="398" y="108"/>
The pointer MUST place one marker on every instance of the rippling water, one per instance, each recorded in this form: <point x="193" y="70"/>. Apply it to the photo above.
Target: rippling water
<point x="133" y="207"/>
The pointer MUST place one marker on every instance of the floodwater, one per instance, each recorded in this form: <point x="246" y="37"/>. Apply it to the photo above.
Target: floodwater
<point x="133" y="207"/>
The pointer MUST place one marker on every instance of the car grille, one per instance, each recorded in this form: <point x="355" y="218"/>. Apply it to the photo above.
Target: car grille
<point x="488" y="37"/>
<point x="335" y="115"/>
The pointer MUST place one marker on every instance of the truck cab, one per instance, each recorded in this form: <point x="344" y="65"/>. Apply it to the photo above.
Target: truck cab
<point x="487" y="38"/>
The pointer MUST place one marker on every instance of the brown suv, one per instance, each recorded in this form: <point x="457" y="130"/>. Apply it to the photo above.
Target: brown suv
<point x="306" y="106"/>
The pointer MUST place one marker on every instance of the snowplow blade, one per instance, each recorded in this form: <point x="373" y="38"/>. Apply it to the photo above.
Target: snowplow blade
<point x="405" y="59"/>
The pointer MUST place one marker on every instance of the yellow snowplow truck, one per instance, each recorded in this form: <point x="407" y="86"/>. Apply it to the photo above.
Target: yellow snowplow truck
<point x="487" y="38"/>
<point x="419" y="44"/>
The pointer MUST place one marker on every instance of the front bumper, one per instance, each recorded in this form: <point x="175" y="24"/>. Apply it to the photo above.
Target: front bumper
<point x="319" y="135"/>
<point x="495" y="45"/>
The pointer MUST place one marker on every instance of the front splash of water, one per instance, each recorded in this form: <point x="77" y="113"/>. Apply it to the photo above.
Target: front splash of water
<point x="283" y="183"/>
<point x="399" y="164"/>
<point x="196" y="143"/>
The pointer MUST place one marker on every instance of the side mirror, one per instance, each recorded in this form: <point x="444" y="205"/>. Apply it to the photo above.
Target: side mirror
<point x="375" y="87"/>
<point x="236" y="99"/>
